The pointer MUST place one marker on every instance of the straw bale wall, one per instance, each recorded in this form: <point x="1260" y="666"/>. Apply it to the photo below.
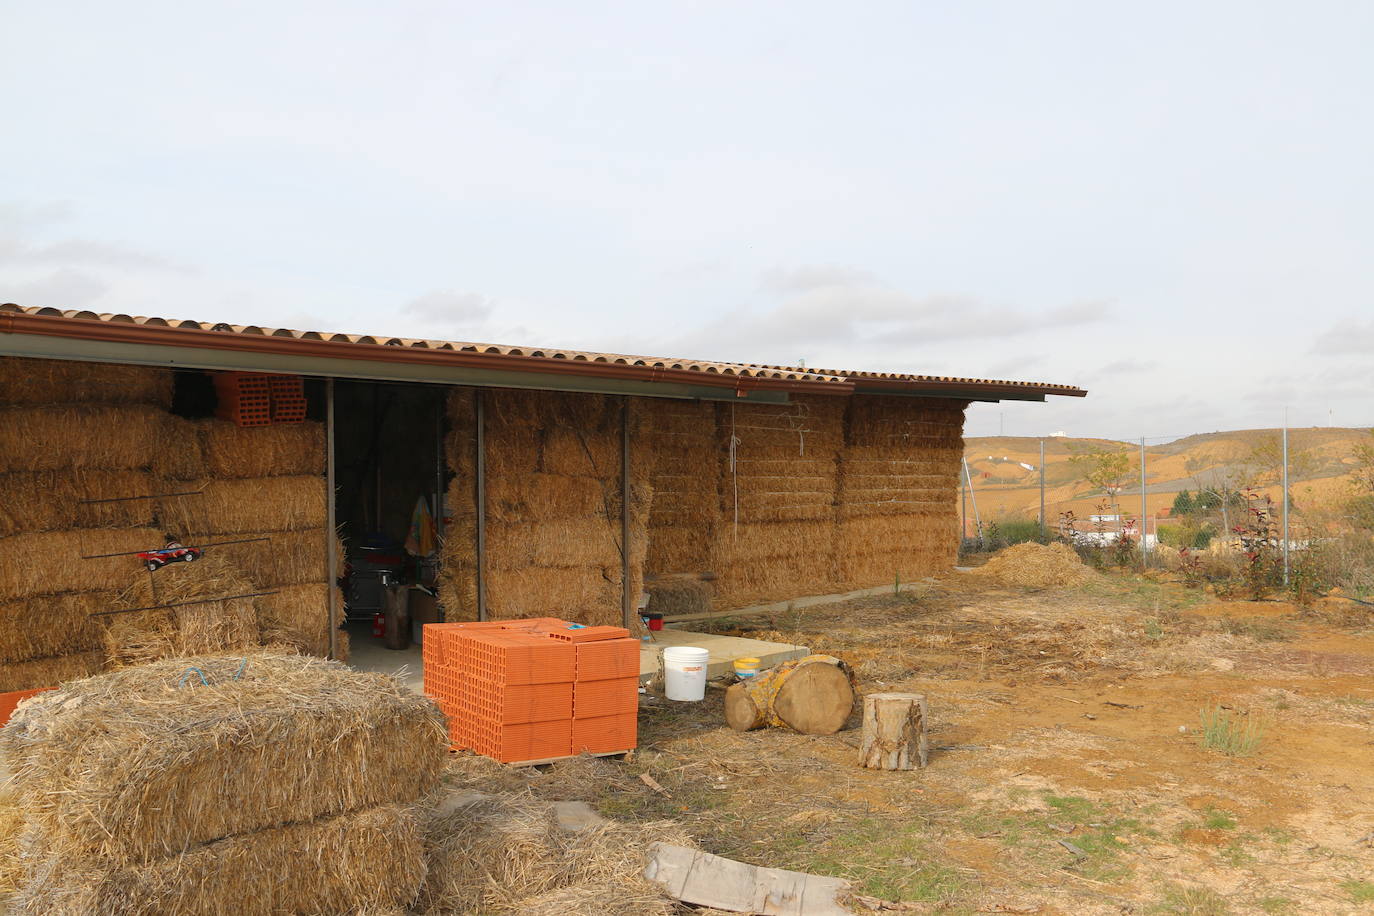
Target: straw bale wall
<point x="762" y="503"/>
<point x="189" y="785"/>
<point x="74" y="431"/>
<point x="898" y="512"/>
<point x="553" y="506"/>
<point x="265" y="486"/>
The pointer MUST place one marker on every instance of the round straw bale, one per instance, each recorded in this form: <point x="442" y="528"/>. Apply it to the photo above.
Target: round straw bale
<point x="232" y="451"/>
<point x="59" y="438"/>
<point x="54" y="500"/>
<point x="55" y="381"/>
<point x="139" y="764"/>
<point x="231" y="507"/>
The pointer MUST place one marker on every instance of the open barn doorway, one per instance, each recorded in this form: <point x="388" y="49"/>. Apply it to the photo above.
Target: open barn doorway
<point x="390" y="478"/>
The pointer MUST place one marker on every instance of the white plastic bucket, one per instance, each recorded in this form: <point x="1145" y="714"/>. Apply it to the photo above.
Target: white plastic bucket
<point x="684" y="672"/>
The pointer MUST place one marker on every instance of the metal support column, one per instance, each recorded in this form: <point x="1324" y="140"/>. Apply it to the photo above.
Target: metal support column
<point x="330" y="531"/>
<point x="627" y="608"/>
<point x="481" y="498"/>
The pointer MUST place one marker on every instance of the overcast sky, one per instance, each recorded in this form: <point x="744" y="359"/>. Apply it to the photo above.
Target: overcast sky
<point x="1171" y="204"/>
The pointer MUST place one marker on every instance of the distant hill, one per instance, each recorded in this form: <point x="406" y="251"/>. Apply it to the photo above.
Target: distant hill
<point x="1320" y="463"/>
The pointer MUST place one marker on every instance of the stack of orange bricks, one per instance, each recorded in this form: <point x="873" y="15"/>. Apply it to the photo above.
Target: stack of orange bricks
<point x="537" y="689"/>
<point x="255" y="399"/>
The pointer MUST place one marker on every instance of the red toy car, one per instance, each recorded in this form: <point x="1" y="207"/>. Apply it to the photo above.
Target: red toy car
<point x="174" y="552"/>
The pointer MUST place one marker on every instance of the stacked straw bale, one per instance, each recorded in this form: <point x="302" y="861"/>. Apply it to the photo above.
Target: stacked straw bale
<point x="898" y="510"/>
<point x="269" y="790"/>
<point x="73" y="431"/>
<point x="263" y="486"/>
<point x="553" y="507"/>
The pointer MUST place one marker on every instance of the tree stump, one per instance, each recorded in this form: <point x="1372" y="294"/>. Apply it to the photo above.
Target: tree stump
<point x="894" y="731"/>
<point x="813" y="695"/>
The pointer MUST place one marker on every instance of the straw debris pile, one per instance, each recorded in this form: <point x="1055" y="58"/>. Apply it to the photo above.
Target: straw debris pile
<point x="148" y="790"/>
<point x="506" y="855"/>
<point x="1033" y="565"/>
<point x="553" y="509"/>
<point x="262" y="486"/>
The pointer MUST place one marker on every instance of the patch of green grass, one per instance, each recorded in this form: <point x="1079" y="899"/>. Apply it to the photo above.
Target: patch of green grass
<point x="1232" y="734"/>
<point x="1153" y="631"/>
<point x="1217" y="819"/>
<point x="1100" y="834"/>
<point x="1259" y="630"/>
<point x="1359" y="891"/>
<point x="1191" y="901"/>
<point x="886" y="859"/>
<point x="1276" y="906"/>
<point x="1235" y="854"/>
<point x="1279" y="836"/>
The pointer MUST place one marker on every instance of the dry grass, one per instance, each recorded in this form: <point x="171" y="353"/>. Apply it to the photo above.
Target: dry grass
<point x="1033" y="565"/>
<point x="368" y="859"/>
<point x="47" y="625"/>
<point x="232" y="507"/>
<point x="281" y="558"/>
<point x="507" y="855"/>
<point x="137" y="764"/>
<point x="297" y="615"/>
<point x="279" y="450"/>
<point x="55" y="500"/>
<point x="50" y="562"/>
<point x="61" y="438"/>
<point x="46" y="672"/>
<point x="52" y="381"/>
<point x="11" y="820"/>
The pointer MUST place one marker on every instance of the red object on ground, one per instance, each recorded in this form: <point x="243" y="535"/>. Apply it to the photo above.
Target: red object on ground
<point x="655" y="621"/>
<point x="8" y="701"/>
<point x="516" y="690"/>
<point x="379" y="625"/>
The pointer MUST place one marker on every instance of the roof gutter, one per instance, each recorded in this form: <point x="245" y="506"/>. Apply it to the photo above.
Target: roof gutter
<point x="504" y="369"/>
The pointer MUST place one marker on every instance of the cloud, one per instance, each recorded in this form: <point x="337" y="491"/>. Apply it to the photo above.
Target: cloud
<point x="18" y="221"/>
<point x="449" y="310"/>
<point x="62" y="289"/>
<point x="827" y="308"/>
<point x="1349" y="336"/>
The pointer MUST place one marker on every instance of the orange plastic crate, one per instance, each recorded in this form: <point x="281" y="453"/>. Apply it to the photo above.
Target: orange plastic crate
<point x="605" y="734"/>
<point x="607" y="659"/>
<point x="618" y="696"/>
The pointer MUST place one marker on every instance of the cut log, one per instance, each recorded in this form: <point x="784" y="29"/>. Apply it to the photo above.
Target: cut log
<point x="813" y="695"/>
<point x="894" y="731"/>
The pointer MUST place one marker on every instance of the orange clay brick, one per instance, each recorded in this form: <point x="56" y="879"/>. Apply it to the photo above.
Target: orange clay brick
<point x="605" y="734"/>
<point x="606" y="659"/>
<point x="516" y="704"/>
<point x="618" y="696"/>
<point x="587" y="634"/>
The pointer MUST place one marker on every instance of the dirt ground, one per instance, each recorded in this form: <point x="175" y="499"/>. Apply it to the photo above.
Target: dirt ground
<point x="1067" y="774"/>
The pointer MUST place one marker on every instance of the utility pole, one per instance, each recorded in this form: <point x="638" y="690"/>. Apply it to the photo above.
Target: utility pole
<point x="1285" y="496"/>
<point x="1144" y="528"/>
<point x="1044" y="532"/>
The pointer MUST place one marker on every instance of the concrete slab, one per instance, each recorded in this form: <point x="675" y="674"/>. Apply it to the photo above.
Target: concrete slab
<point x="367" y="653"/>
<point x="724" y="650"/>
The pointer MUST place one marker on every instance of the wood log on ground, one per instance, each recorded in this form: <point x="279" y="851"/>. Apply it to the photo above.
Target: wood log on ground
<point x="813" y="695"/>
<point x="894" y="731"/>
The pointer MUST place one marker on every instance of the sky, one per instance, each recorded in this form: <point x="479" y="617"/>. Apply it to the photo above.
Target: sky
<point x="1171" y="205"/>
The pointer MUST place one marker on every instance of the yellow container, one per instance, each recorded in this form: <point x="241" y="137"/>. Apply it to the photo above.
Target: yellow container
<point x="746" y="667"/>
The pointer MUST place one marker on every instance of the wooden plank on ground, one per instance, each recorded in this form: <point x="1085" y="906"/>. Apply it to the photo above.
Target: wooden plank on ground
<point x="702" y="879"/>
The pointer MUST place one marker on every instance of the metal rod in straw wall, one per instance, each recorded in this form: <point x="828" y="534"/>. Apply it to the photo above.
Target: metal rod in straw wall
<point x="973" y="498"/>
<point x="480" y="496"/>
<point x="626" y="597"/>
<point x="330" y="531"/>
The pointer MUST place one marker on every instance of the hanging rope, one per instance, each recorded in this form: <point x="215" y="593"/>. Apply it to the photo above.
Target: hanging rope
<point x="734" y="473"/>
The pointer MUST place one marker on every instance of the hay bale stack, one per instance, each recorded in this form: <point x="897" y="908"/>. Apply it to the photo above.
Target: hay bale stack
<point x="782" y="490"/>
<point x="60" y="437"/>
<point x="897" y="511"/>
<point x="263" y="486"/>
<point x="553" y="534"/>
<point x="507" y="855"/>
<point x="683" y="446"/>
<point x="53" y="381"/>
<point x="1036" y="566"/>
<point x="142" y="796"/>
